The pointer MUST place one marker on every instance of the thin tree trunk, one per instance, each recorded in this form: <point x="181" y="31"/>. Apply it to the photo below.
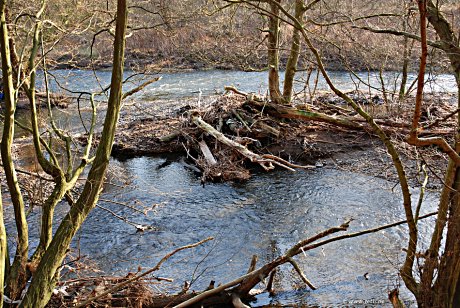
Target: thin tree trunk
<point x="291" y="65"/>
<point x="17" y="275"/>
<point x="450" y="42"/>
<point x="446" y="268"/>
<point x="3" y="252"/>
<point x="405" y="67"/>
<point x="46" y="228"/>
<point x="449" y="265"/>
<point x="45" y="277"/>
<point x="273" y="53"/>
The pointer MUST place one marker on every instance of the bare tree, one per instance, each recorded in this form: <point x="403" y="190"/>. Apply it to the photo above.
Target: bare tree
<point x="50" y="253"/>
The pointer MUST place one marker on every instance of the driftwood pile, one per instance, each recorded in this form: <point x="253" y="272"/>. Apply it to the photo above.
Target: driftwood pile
<point x="226" y="138"/>
<point x="222" y="139"/>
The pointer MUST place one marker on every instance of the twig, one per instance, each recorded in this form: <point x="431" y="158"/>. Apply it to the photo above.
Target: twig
<point x="285" y="162"/>
<point x="241" y="119"/>
<point x="138" y="227"/>
<point x="253" y="264"/>
<point x="137" y="277"/>
<point x="422" y="193"/>
<point x="364" y="232"/>
<point x="299" y="247"/>
<point x="301" y="274"/>
<point x="140" y="88"/>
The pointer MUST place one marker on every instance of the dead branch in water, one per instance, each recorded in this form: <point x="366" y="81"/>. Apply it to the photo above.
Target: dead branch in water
<point x="241" y="286"/>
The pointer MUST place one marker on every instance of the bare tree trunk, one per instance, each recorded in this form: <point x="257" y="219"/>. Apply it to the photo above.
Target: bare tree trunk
<point x="46" y="228"/>
<point x="405" y="67"/>
<point x="17" y="275"/>
<point x="3" y="252"/>
<point x="273" y="53"/>
<point x="3" y="241"/>
<point x="447" y="37"/>
<point x="446" y="268"/>
<point x="45" y="277"/>
<point x="291" y="65"/>
<point x="449" y="265"/>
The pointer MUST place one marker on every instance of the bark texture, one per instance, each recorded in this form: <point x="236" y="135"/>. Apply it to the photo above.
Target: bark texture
<point x="17" y="275"/>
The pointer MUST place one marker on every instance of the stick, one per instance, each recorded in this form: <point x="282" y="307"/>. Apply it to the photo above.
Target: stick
<point x="350" y="235"/>
<point x="140" y="88"/>
<point x="271" y="278"/>
<point x="207" y="153"/>
<point x="253" y="264"/>
<point x="301" y="274"/>
<point x="235" y="90"/>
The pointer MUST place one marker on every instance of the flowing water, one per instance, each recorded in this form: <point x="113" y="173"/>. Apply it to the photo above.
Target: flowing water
<point x="190" y="84"/>
<point x="264" y="216"/>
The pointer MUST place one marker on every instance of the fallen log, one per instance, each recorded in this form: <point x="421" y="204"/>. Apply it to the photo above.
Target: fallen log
<point x="288" y="112"/>
<point x="282" y="111"/>
<point x="267" y="162"/>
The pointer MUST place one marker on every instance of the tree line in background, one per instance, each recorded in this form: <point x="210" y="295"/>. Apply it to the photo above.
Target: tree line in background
<point x="272" y="34"/>
<point x="198" y="34"/>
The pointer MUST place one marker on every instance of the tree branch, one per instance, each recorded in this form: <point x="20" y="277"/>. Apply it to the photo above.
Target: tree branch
<point x="400" y="33"/>
<point x="137" y="277"/>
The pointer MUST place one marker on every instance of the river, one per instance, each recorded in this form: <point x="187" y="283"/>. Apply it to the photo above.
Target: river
<point x="264" y="216"/>
<point x="189" y="84"/>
